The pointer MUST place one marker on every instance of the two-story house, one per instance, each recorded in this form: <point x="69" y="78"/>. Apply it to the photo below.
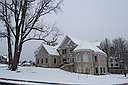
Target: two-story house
<point x="72" y="55"/>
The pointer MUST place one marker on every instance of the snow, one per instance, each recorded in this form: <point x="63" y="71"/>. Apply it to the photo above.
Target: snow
<point x="60" y="40"/>
<point x="56" y="75"/>
<point x="21" y="83"/>
<point x="51" y="49"/>
<point x="6" y="57"/>
<point x="84" y="45"/>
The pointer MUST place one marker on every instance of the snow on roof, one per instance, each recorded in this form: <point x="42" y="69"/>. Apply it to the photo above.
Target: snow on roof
<point x="51" y="49"/>
<point x="84" y="45"/>
<point x="60" y="40"/>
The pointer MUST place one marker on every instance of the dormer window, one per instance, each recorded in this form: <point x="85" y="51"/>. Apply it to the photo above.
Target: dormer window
<point x="64" y="51"/>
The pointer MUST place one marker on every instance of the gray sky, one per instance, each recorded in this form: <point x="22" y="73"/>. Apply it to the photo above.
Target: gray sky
<point x="89" y="20"/>
<point x="94" y="19"/>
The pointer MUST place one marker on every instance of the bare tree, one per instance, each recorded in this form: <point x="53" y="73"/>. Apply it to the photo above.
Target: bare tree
<point x="8" y="36"/>
<point x="105" y="46"/>
<point x="120" y="51"/>
<point x="5" y="16"/>
<point x="24" y="18"/>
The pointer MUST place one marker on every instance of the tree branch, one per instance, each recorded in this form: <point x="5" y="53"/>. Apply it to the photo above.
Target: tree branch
<point x="8" y="6"/>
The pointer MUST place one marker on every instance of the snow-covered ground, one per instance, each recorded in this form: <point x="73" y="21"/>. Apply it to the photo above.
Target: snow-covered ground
<point x="54" y="75"/>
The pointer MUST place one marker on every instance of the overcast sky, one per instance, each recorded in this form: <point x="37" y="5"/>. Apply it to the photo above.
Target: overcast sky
<point x="89" y="20"/>
<point x="94" y="19"/>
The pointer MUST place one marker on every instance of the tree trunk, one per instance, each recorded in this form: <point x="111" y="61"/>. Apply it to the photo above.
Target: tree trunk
<point x="17" y="52"/>
<point x="8" y="38"/>
<point x="16" y="57"/>
<point x="9" y="49"/>
<point x="14" y="63"/>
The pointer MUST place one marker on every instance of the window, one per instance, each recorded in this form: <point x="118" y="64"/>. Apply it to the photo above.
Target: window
<point x="64" y="60"/>
<point x="116" y="64"/>
<point x="111" y="60"/>
<point x="68" y="59"/>
<point x="42" y="60"/>
<point x="54" y="60"/>
<point x="95" y="58"/>
<point x="111" y="65"/>
<point x="101" y="70"/>
<point x="104" y="69"/>
<point x="73" y="60"/>
<point x="64" y="51"/>
<point x="70" y="50"/>
<point x="46" y="60"/>
<point x="96" y="70"/>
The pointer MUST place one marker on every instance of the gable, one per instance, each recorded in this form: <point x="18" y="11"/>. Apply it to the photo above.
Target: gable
<point x="41" y="51"/>
<point x="51" y="50"/>
<point x="84" y="45"/>
<point x="67" y="43"/>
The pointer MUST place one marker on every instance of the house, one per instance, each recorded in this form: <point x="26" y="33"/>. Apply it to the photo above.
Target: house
<point x="114" y="65"/>
<point x="72" y="55"/>
<point x="48" y="56"/>
<point x="85" y="57"/>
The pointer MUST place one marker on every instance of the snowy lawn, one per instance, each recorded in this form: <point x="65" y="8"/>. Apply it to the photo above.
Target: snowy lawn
<point x="59" y="76"/>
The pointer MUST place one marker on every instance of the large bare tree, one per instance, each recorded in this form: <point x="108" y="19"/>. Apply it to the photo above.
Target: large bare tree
<point x="23" y="21"/>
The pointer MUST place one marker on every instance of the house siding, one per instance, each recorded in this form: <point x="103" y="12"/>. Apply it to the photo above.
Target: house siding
<point x="48" y="60"/>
